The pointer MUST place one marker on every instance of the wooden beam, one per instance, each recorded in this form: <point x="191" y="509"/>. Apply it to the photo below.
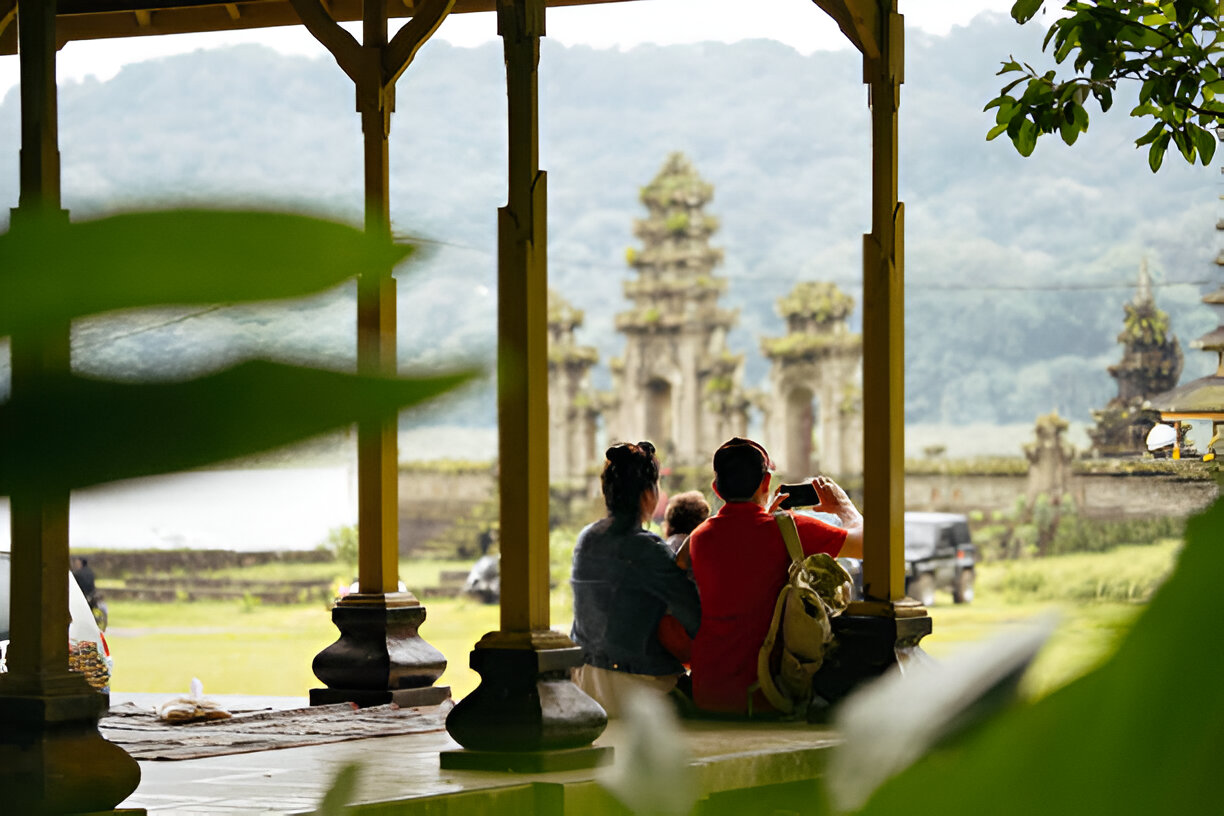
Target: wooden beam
<point x="144" y="18"/>
<point x="111" y="19"/>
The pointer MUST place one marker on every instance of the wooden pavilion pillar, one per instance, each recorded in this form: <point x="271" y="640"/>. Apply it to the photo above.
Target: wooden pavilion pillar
<point x="380" y="656"/>
<point x="876" y="630"/>
<point x="52" y="758"/>
<point x="526" y="715"/>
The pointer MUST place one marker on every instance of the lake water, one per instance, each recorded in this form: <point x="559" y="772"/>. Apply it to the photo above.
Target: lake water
<point x="273" y="509"/>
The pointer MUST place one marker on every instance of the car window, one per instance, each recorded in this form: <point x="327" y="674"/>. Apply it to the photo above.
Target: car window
<point x="961" y="533"/>
<point x="920" y="534"/>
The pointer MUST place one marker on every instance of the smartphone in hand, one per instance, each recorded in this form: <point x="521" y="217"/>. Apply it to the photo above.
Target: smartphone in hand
<point x="798" y="495"/>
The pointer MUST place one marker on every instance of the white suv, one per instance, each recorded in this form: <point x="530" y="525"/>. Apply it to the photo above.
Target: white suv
<point x="88" y="651"/>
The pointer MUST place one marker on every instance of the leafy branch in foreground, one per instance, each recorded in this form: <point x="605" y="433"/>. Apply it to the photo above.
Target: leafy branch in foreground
<point x="1174" y="50"/>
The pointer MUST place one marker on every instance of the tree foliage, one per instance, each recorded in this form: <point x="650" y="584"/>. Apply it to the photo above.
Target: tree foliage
<point x="1173" y="49"/>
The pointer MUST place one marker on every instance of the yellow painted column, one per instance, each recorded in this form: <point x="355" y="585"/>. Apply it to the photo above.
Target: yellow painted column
<point x="522" y="334"/>
<point x="38" y="653"/>
<point x="380" y="656"/>
<point x="884" y="327"/>
<point x="526" y="714"/>
<point x="377" y="441"/>
<point x="52" y="758"/>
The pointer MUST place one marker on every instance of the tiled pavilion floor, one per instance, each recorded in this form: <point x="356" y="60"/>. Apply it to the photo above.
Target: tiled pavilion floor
<point x="401" y="774"/>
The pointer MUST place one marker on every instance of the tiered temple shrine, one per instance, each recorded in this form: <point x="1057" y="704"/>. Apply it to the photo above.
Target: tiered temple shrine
<point x="815" y="364"/>
<point x="677" y="384"/>
<point x="572" y="411"/>
<point x="1202" y="398"/>
<point x="1151" y="363"/>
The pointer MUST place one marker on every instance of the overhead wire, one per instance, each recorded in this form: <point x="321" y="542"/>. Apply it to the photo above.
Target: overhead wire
<point x="588" y="265"/>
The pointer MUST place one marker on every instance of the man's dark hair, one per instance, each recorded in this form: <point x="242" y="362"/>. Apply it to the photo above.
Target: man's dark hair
<point x="630" y="471"/>
<point x="739" y="466"/>
<point x="685" y="511"/>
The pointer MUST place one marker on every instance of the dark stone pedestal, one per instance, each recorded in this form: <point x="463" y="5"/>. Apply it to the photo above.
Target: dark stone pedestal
<point x="52" y="758"/>
<point x="380" y="657"/>
<point x="404" y="698"/>
<point x="867" y="645"/>
<point x="526" y="714"/>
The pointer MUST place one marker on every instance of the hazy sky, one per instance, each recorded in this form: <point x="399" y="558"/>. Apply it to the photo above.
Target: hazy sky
<point x="797" y="23"/>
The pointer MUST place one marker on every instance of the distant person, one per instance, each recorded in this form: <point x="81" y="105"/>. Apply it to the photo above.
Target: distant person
<point x="624" y="579"/>
<point x="684" y="512"/>
<point x="84" y="575"/>
<point x="740" y="564"/>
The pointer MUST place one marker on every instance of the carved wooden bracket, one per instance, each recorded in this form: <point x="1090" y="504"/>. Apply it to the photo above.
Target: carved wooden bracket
<point x="8" y="13"/>
<point x="374" y="69"/>
<point x="859" y="20"/>
<point x="427" y="15"/>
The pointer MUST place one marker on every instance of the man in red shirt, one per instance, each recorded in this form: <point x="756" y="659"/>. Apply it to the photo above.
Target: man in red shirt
<point x="740" y="564"/>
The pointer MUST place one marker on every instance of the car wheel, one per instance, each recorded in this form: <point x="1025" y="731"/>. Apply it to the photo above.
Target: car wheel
<point x="962" y="591"/>
<point x="922" y="589"/>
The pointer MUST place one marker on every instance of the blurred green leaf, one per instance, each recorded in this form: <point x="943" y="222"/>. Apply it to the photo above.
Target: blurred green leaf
<point x="75" y="432"/>
<point x="57" y="270"/>
<point x="1141" y="735"/>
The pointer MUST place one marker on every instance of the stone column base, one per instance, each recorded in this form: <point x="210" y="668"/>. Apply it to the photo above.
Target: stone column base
<point x="867" y="646"/>
<point x="526" y="714"/>
<point x="380" y="657"/>
<point x="52" y="758"/>
<point x="364" y="698"/>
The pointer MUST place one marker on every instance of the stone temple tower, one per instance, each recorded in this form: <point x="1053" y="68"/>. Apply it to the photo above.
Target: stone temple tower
<point x="572" y="412"/>
<point x="676" y="384"/>
<point x="814" y="381"/>
<point x="1151" y="363"/>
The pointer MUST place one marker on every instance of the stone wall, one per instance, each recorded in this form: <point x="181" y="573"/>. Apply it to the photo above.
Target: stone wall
<point x="146" y="562"/>
<point x="432" y="498"/>
<point x="1100" y="489"/>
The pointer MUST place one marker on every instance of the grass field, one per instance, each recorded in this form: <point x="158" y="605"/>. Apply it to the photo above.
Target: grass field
<point x="237" y="648"/>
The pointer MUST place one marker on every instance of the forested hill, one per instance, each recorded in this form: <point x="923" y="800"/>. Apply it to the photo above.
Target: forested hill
<point x="1017" y="268"/>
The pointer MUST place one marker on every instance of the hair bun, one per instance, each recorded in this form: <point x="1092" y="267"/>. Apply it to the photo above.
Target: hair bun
<point x="616" y="453"/>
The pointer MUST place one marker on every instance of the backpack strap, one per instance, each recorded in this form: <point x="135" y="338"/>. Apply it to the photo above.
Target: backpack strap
<point x="790" y="534"/>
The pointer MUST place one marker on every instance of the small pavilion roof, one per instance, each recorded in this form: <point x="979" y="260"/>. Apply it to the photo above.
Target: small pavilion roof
<point x="105" y="19"/>
<point x="1212" y="340"/>
<point x="1199" y="399"/>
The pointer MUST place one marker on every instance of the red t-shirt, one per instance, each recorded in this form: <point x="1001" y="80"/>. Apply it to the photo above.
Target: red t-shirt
<point x="740" y="565"/>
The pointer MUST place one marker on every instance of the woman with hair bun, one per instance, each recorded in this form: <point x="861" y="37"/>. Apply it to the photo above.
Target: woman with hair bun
<point x="624" y="580"/>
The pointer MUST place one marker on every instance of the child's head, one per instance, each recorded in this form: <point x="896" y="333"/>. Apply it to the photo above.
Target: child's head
<point x="685" y="511"/>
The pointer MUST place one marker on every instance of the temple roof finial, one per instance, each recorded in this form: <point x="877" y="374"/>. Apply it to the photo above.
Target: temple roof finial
<point x="1143" y="294"/>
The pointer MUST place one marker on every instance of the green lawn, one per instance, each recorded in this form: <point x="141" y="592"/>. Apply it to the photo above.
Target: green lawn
<point x="235" y="648"/>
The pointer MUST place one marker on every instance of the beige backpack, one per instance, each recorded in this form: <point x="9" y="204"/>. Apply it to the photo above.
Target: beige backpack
<point x="817" y="589"/>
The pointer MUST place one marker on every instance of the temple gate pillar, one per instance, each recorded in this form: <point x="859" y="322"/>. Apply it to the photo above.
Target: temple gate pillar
<point x="52" y="758"/>
<point x="380" y="656"/>
<point x="525" y="715"/>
